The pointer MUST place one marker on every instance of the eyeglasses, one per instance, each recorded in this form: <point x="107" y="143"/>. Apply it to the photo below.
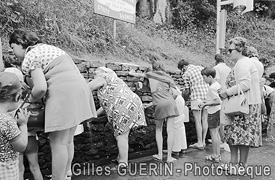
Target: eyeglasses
<point x="230" y="50"/>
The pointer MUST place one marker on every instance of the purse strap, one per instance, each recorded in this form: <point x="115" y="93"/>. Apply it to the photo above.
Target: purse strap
<point x="240" y="91"/>
<point x="25" y="100"/>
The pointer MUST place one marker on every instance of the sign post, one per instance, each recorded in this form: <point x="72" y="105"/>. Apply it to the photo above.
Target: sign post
<point x="124" y="10"/>
<point x="1" y="57"/>
<point x="241" y="5"/>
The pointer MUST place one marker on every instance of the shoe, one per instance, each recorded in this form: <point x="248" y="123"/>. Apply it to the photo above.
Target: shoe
<point x="196" y="146"/>
<point x="115" y="161"/>
<point x="122" y="167"/>
<point x="182" y="153"/>
<point x="156" y="158"/>
<point x="214" y="159"/>
<point x="171" y="160"/>
<point x="176" y="155"/>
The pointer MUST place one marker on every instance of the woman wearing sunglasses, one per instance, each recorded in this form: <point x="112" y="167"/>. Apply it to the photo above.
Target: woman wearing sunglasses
<point x="243" y="131"/>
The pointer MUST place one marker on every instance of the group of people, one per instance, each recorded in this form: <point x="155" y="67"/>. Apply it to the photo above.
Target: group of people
<point x="240" y="131"/>
<point x="51" y="75"/>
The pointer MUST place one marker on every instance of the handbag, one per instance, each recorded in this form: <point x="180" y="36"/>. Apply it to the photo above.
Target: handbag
<point x="237" y="104"/>
<point x="37" y="113"/>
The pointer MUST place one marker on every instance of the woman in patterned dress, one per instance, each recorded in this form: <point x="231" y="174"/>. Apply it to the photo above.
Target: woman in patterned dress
<point x="123" y="107"/>
<point x="67" y="97"/>
<point x="243" y="132"/>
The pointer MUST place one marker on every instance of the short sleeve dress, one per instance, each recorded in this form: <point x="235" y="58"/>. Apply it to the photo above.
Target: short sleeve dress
<point x="68" y="98"/>
<point x="122" y="106"/>
<point x="9" y="130"/>
<point x="165" y="105"/>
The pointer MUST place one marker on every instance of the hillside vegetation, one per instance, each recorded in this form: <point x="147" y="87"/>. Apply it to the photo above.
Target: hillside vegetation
<point x="73" y="26"/>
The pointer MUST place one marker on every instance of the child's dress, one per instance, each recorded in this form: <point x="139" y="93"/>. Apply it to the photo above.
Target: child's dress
<point x="9" y="168"/>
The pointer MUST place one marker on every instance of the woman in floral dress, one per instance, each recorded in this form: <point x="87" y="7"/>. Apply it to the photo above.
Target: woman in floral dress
<point x="123" y="107"/>
<point x="244" y="130"/>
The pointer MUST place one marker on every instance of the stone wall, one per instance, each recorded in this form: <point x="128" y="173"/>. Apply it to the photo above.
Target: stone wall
<point x="97" y="142"/>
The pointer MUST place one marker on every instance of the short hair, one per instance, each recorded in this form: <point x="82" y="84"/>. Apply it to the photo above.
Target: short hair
<point x="182" y="63"/>
<point x="240" y="44"/>
<point x="24" y="38"/>
<point x="219" y="58"/>
<point x="208" y="72"/>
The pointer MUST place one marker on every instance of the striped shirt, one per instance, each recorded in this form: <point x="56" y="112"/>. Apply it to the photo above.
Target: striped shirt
<point x="193" y="80"/>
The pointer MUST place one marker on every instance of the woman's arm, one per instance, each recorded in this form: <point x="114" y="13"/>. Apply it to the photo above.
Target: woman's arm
<point x="39" y="85"/>
<point x="242" y="72"/>
<point x="97" y="83"/>
<point x="133" y="73"/>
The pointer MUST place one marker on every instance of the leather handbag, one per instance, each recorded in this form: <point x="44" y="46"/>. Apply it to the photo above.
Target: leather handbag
<point x="37" y="116"/>
<point x="237" y="104"/>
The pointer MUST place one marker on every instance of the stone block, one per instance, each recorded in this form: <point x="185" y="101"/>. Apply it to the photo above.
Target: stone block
<point x="96" y="64"/>
<point x="82" y="67"/>
<point x="114" y="66"/>
<point x="122" y="73"/>
<point x="129" y="66"/>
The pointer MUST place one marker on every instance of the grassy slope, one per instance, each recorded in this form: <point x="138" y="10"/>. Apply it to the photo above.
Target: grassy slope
<point x="73" y="26"/>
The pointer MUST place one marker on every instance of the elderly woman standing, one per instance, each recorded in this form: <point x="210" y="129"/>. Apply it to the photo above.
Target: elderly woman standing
<point x="244" y="129"/>
<point x="123" y="107"/>
<point x="67" y="97"/>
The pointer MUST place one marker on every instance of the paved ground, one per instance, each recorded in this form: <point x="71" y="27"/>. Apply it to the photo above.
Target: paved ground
<point x="260" y="159"/>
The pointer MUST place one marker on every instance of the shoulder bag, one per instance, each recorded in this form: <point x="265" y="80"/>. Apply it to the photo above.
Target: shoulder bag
<point x="37" y="116"/>
<point x="237" y="104"/>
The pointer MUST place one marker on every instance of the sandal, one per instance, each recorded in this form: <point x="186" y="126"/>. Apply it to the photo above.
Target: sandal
<point x="196" y="146"/>
<point x="120" y="168"/>
<point x="156" y="158"/>
<point x="171" y="160"/>
<point x="214" y="159"/>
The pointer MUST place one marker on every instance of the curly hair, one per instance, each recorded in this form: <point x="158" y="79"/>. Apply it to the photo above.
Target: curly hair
<point x="24" y="38"/>
<point x="240" y="44"/>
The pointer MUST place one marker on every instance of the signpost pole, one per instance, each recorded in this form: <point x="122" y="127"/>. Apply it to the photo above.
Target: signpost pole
<point x="1" y="58"/>
<point x="114" y="30"/>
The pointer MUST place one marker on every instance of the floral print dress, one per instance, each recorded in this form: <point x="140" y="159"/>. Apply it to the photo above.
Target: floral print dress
<point x="244" y="129"/>
<point x="122" y="106"/>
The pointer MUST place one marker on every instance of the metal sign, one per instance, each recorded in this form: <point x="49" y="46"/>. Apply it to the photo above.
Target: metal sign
<point x="124" y="10"/>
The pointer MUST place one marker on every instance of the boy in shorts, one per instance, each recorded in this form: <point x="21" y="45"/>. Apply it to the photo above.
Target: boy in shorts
<point x="213" y="106"/>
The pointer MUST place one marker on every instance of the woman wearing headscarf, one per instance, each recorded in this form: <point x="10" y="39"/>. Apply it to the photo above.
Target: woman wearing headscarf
<point x="55" y="77"/>
<point x="243" y="132"/>
<point x="123" y="107"/>
<point x="163" y="89"/>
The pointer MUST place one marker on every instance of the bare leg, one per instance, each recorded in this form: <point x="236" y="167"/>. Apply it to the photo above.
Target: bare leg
<point x="21" y="167"/>
<point x="59" y="142"/>
<point x="34" y="166"/>
<point x="70" y="148"/>
<point x="159" y="138"/>
<point x="215" y="141"/>
<point x="197" y="116"/>
<point x="234" y="154"/>
<point x="123" y="147"/>
<point x="170" y="138"/>
<point x="204" y="125"/>
<point x="244" y="150"/>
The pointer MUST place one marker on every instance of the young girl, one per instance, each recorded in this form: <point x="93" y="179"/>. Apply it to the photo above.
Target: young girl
<point x="13" y="132"/>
